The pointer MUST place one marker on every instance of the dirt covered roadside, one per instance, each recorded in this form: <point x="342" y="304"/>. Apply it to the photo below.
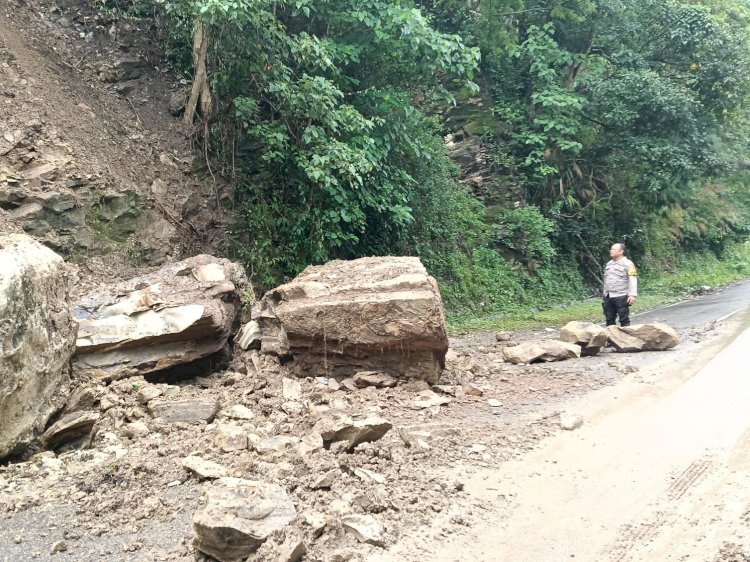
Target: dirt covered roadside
<point x="129" y="497"/>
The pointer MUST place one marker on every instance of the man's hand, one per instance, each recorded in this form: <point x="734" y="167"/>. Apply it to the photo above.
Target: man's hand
<point x="631" y="299"/>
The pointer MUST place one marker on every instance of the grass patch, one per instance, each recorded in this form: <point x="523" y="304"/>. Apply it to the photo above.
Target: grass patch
<point x="655" y="288"/>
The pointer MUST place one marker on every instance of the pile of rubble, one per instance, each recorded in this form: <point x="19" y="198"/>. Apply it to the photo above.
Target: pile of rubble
<point x="306" y="434"/>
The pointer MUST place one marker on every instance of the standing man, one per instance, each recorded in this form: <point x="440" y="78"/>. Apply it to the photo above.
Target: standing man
<point x="620" y="286"/>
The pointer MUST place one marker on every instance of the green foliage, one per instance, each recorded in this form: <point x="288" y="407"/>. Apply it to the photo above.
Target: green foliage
<point x="607" y="120"/>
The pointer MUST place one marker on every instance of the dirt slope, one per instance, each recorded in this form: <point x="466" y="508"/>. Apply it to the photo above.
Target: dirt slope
<point x="91" y="160"/>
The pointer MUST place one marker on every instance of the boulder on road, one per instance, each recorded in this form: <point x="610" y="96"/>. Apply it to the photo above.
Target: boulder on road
<point x="239" y="516"/>
<point x="541" y="351"/>
<point x="643" y="337"/>
<point x="181" y="313"/>
<point x="380" y="314"/>
<point x="37" y="339"/>
<point x="590" y="337"/>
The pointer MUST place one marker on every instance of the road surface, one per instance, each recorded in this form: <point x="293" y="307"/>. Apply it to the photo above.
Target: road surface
<point x="660" y="470"/>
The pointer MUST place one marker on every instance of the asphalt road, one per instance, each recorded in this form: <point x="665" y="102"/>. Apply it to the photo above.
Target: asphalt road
<point x="717" y="305"/>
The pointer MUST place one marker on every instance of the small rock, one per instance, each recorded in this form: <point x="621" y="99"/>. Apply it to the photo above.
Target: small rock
<point x="70" y="427"/>
<point x="291" y="389"/>
<point x="366" y="474"/>
<point x="203" y="468"/>
<point x="374" y="378"/>
<point x="349" y="385"/>
<point x="240" y="412"/>
<point x="365" y="528"/>
<point x="187" y="410"/>
<point x="570" y="422"/>
<point x="148" y="393"/>
<point x="230" y="437"/>
<point x="472" y="390"/>
<point x="351" y="430"/>
<point x="59" y="546"/>
<point x="276" y="445"/>
<point x="325" y="481"/>
<point x="503" y="336"/>
<point x="239" y="516"/>
<point x="135" y="429"/>
<point x="292" y="550"/>
<point x="310" y="444"/>
<point x="428" y="399"/>
<point x="445" y="389"/>
<point x="494" y="403"/>
<point x="292" y="408"/>
<point x="317" y="521"/>
<point x="249" y="336"/>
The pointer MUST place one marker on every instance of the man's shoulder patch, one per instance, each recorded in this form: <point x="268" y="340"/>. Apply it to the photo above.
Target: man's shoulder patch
<point x="632" y="269"/>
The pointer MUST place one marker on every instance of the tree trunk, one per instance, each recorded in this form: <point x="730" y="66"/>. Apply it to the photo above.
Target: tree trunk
<point x="200" y="90"/>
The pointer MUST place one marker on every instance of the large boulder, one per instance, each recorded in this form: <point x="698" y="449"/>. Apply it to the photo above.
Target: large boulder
<point x="643" y="337"/>
<point x="536" y="351"/>
<point x="181" y="313"/>
<point x="372" y="314"/>
<point x="37" y="339"/>
<point x="590" y="337"/>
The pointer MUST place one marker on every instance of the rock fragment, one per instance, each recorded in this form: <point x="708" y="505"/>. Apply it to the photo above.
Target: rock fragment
<point x="365" y="528"/>
<point x="203" y="468"/>
<point x="372" y="314"/>
<point x="188" y="410"/>
<point x="71" y="427"/>
<point x="351" y="430"/>
<point x="541" y="351"/>
<point x="239" y="516"/>
<point x="179" y="314"/>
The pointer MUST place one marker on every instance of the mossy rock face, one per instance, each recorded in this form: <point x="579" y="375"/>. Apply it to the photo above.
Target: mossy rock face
<point x="85" y="221"/>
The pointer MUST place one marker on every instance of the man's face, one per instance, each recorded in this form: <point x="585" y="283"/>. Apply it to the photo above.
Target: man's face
<point x="615" y="251"/>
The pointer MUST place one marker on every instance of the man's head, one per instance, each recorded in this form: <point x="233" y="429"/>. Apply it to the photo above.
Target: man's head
<point x="617" y="250"/>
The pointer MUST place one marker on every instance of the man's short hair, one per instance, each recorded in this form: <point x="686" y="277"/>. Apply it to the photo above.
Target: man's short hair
<point x="622" y="246"/>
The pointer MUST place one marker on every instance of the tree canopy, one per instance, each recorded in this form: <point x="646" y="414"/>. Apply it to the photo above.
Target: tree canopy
<point x="604" y="119"/>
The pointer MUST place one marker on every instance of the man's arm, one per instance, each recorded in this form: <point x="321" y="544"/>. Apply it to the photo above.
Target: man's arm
<point x="632" y="283"/>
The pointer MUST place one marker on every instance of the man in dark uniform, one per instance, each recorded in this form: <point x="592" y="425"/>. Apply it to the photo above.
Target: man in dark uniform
<point x="620" y="286"/>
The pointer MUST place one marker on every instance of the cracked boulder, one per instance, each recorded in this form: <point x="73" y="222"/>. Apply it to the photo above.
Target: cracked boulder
<point x="379" y="314"/>
<point x="37" y="339"/>
<point x="179" y="314"/>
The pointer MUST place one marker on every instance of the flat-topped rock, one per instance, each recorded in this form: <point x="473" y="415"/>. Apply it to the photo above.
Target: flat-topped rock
<point x="379" y="314"/>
